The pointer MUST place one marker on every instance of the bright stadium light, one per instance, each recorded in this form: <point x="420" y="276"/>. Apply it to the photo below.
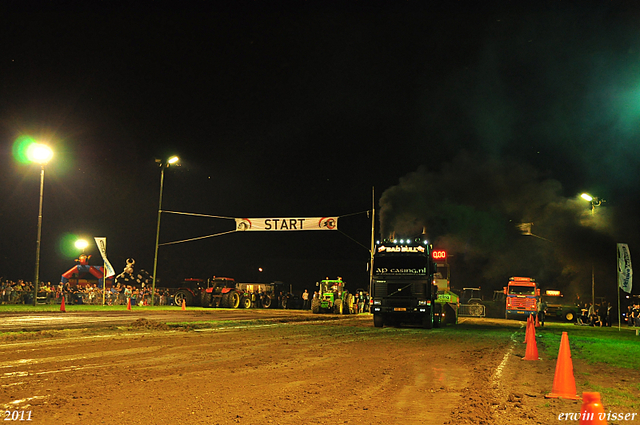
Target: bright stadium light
<point x="81" y="244"/>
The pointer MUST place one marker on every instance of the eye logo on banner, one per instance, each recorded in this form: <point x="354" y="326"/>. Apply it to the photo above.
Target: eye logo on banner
<point x="243" y="224"/>
<point x="286" y="224"/>
<point x="330" y="223"/>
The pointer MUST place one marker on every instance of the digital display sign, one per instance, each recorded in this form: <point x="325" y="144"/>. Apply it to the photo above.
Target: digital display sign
<point x="439" y="254"/>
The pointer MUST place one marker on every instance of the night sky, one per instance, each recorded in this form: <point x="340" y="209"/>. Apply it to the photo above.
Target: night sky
<point x="467" y="120"/>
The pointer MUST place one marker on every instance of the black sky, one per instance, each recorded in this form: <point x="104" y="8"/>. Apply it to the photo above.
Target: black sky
<point x="299" y="109"/>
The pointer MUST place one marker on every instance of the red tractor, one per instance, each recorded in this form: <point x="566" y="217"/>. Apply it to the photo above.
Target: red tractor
<point x="212" y="292"/>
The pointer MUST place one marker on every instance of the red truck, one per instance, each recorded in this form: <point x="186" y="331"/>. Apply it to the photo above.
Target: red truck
<point x="522" y="297"/>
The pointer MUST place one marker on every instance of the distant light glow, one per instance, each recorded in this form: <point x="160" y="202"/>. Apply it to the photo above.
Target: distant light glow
<point x="586" y="197"/>
<point x="173" y="160"/>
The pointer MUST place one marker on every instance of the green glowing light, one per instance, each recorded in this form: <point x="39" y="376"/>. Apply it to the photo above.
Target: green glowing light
<point x="67" y="245"/>
<point x="21" y="147"/>
<point x="27" y="150"/>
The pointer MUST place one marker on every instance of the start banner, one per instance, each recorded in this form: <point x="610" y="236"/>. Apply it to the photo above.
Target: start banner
<point x="286" y="224"/>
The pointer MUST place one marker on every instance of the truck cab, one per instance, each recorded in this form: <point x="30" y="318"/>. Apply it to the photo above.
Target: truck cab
<point x="521" y="297"/>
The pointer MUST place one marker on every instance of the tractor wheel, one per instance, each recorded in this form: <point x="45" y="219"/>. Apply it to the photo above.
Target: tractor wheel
<point x="348" y="307"/>
<point x="338" y="307"/>
<point x="183" y="295"/>
<point x="205" y="299"/>
<point x="266" y="301"/>
<point x="378" y="320"/>
<point x="246" y="302"/>
<point x="234" y="299"/>
<point x="224" y="301"/>
<point x="569" y="316"/>
<point x="315" y="306"/>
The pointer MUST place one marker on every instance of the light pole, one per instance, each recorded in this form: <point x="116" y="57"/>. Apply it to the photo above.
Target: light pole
<point x="170" y="161"/>
<point x="40" y="154"/>
<point x="595" y="202"/>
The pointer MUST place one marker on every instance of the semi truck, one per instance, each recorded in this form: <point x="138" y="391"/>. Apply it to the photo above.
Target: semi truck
<point x="521" y="297"/>
<point x="402" y="288"/>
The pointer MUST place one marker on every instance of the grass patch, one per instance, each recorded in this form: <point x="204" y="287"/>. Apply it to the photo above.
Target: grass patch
<point x="595" y="345"/>
<point x="617" y="396"/>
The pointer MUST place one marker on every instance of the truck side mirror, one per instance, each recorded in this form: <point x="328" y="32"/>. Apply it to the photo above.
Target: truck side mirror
<point x="317" y="284"/>
<point x="538" y="292"/>
<point x="504" y="290"/>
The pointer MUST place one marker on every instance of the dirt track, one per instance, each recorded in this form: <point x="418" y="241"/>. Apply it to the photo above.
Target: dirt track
<point x="335" y="371"/>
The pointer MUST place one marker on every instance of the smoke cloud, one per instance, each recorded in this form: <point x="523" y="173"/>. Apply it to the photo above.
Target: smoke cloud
<point x="475" y="207"/>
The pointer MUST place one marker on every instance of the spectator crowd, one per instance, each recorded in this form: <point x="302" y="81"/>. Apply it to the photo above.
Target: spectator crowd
<point x="21" y="292"/>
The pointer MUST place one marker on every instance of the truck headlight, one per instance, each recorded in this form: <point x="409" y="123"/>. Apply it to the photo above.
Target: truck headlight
<point x="422" y="302"/>
<point x="377" y="302"/>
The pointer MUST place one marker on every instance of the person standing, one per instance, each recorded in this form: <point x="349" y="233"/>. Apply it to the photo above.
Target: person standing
<point x="542" y="311"/>
<point x="305" y="300"/>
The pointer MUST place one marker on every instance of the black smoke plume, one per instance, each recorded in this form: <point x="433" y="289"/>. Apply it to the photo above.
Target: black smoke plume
<point x="499" y="218"/>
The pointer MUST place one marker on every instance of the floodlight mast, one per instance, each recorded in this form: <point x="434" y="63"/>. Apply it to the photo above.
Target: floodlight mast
<point x="40" y="154"/>
<point x="172" y="160"/>
<point x="595" y="202"/>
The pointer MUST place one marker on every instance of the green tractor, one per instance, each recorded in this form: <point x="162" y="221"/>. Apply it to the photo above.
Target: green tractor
<point x="333" y="298"/>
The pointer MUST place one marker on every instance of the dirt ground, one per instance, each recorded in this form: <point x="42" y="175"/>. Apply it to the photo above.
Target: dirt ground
<point x="280" y="367"/>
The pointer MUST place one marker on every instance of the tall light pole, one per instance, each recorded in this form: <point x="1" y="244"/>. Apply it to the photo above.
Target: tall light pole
<point x="595" y="202"/>
<point x="170" y="161"/>
<point x="40" y="154"/>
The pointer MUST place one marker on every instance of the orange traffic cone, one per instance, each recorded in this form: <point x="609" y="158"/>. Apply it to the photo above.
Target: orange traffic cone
<point x="129" y="304"/>
<point x="532" y="346"/>
<point x="537" y="322"/>
<point x="564" y="384"/>
<point x="184" y="305"/>
<point x="62" y="308"/>
<point x="526" y="332"/>
<point x="592" y="412"/>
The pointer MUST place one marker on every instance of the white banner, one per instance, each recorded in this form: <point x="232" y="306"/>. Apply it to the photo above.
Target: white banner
<point x="286" y="224"/>
<point x="625" y="271"/>
<point x="102" y="247"/>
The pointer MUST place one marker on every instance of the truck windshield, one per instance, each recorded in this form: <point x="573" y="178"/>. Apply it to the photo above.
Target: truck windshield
<point x="522" y="290"/>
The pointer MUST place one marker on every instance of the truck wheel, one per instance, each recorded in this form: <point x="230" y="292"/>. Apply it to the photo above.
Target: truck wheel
<point x="315" y="306"/>
<point x="246" y="302"/>
<point x="427" y="320"/>
<point x="266" y="301"/>
<point x="183" y="295"/>
<point x="234" y="300"/>
<point x="569" y="316"/>
<point x="378" y="320"/>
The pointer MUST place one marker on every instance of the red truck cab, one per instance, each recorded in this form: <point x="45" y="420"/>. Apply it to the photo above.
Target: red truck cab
<point x="521" y="297"/>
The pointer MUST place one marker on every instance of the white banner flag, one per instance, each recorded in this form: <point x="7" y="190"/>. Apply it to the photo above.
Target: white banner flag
<point x="102" y="247"/>
<point x="286" y="224"/>
<point x="625" y="271"/>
